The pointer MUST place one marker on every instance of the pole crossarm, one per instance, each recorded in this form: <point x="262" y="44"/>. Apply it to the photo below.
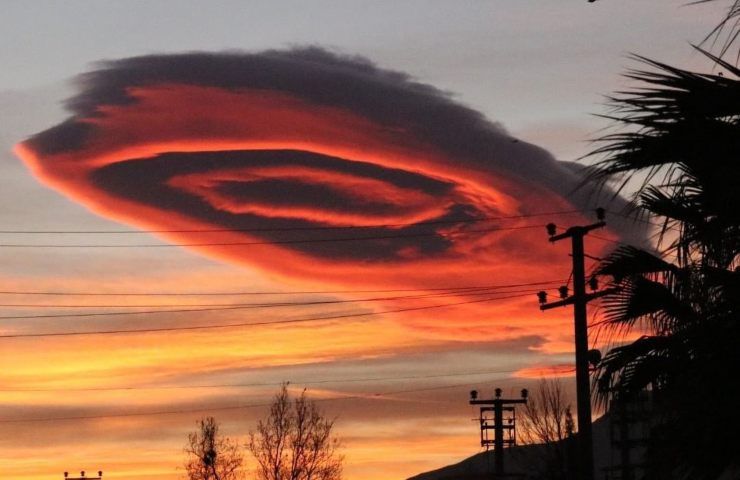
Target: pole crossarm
<point x="577" y="231"/>
<point x="570" y="300"/>
<point x="497" y="401"/>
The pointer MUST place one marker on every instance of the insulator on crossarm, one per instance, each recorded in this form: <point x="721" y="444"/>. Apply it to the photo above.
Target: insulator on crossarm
<point x="542" y="297"/>
<point x="600" y="214"/>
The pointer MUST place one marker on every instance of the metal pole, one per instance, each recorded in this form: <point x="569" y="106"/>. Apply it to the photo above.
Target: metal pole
<point x="498" y="439"/>
<point x="497" y="404"/>
<point x="583" y="384"/>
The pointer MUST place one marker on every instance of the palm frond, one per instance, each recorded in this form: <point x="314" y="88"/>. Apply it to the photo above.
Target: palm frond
<point x="673" y="120"/>
<point x="650" y="302"/>
<point x="679" y="152"/>
<point x="727" y="30"/>
<point x="632" y="367"/>
<point x="629" y="261"/>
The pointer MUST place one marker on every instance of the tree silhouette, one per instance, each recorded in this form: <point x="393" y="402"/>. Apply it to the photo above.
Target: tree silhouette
<point x="211" y="456"/>
<point x="295" y="442"/>
<point x="547" y="420"/>
<point x="680" y="148"/>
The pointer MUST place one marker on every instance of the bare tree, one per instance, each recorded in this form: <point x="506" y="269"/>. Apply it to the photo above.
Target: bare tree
<point x="211" y="456"/>
<point x="547" y="420"/>
<point x="295" y="442"/>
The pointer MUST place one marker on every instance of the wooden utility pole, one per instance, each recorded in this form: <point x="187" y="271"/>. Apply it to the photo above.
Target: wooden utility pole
<point x="579" y="300"/>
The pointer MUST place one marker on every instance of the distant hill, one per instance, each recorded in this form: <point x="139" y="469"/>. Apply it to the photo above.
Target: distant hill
<point x="522" y="460"/>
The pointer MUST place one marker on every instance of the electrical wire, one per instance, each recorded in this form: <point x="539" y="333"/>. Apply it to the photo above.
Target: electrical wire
<point x="246" y="293"/>
<point x="294" y="229"/>
<point x="245" y="306"/>
<point x="364" y="396"/>
<point x="260" y="384"/>
<point x="619" y="242"/>
<point x="253" y="305"/>
<point x="223" y="408"/>
<point x="246" y="324"/>
<point x="269" y="242"/>
<point x="643" y="220"/>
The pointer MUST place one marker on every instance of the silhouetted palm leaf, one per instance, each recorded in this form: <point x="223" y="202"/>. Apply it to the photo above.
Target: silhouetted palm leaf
<point x="728" y="30"/>
<point x="635" y="366"/>
<point x="682" y="141"/>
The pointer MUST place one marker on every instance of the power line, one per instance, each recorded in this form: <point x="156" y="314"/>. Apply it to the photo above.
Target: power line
<point x="364" y="396"/>
<point x="604" y="239"/>
<point x="247" y="305"/>
<point x="245" y="293"/>
<point x="663" y="253"/>
<point x="644" y="220"/>
<point x="603" y="322"/>
<point x="247" y="324"/>
<point x="268" y="242"/>
<point x="293" y="229"/>
<point x="259" y="384"/>
<point x="207" y="409"/>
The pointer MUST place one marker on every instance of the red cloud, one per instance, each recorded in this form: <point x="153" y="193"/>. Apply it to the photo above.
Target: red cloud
<point x="259" y="166"/>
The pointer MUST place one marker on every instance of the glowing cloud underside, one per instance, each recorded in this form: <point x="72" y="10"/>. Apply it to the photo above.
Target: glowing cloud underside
<point x="279" y="146"/>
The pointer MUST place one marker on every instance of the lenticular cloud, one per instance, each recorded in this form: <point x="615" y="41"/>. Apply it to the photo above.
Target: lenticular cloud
<point x="306" y="164"/>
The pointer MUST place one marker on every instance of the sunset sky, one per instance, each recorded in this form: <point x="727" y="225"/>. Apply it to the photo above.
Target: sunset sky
<point x="349" y="196"/>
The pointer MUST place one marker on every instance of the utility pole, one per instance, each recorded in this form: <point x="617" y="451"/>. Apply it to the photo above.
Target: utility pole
<point x="579" y="300"/>
<point x="83" y="477"/>
<point x="498" y="424"/>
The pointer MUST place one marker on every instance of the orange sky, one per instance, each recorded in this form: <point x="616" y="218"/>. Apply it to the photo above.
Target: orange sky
<point x="194" y="149"/>
<point x="432" y="427"/>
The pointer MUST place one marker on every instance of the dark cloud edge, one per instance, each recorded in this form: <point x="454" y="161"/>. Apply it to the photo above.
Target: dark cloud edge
<point x="351" y="82"/>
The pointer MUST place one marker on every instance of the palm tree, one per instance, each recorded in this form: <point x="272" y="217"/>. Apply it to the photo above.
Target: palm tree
<point x="679" y="153"/>
<point x="727" y="31"/>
